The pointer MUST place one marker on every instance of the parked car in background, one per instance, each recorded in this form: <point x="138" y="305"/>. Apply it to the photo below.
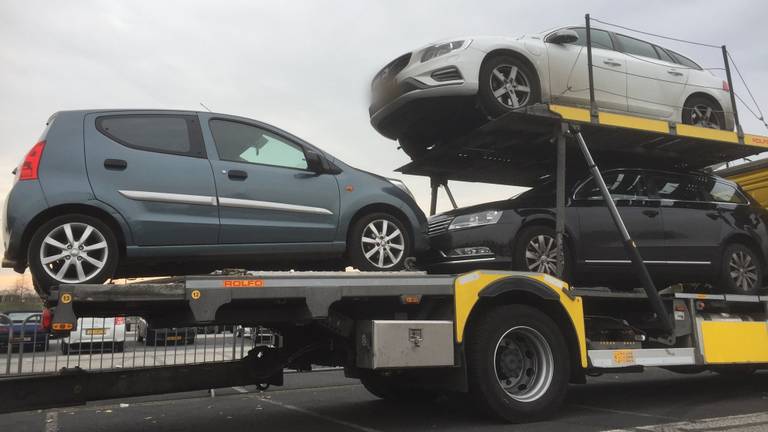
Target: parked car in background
<point x="23" y="330"/>
<point x="689" y="227"/>
<point x="261" y="336"/>
<point x="96" y="335"/>
<point x="432" y="93"/>
<point x="151" y="336"/>
<point x="136" y="193"/>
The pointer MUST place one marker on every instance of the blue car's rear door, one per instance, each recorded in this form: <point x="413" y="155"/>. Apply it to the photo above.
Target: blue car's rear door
<point x="152" y="168"/>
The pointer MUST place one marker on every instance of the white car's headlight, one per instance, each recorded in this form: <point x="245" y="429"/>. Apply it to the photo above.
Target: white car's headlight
<point x="441" y="49"/>
<point x="475" y="219"/>
<point x="400" y="185"/>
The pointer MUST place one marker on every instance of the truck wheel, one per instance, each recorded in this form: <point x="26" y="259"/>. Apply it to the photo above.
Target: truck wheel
<point x="518" y="363"/>
<point x="386" y="388"/>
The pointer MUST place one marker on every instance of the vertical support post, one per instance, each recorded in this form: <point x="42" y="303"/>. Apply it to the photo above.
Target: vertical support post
<point x="727" y="63"/>
<point x="450" y="195"/>
<point x="560" y="201"/>
<point x="434" y="184"/>
<point x="592" y="102"/>
<point x="629" y="244"/>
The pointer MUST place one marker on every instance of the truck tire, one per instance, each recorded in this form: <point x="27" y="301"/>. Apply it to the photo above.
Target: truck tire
<point x="386" y="388"/>
<point x="518" y="364"/>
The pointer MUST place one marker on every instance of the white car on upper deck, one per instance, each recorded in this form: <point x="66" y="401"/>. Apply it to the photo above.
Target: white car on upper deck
<point x="431" y="93"/>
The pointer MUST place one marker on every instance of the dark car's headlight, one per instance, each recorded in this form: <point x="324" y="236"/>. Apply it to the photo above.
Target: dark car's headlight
<point x="441" y="49"/>
<point x="475" y="219"/>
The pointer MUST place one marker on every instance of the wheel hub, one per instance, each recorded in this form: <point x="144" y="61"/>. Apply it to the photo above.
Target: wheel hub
<point x="73" y="252"/>
<point x="524" y="364"/>
<point x="383" y="243"/>
<point x="510" y="86"/>
<point x="742" y="270"/>
<point x="541" y="254"/>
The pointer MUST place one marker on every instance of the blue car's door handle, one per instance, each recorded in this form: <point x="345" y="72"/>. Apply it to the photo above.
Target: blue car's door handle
<point x="237" y="175"/>
<point x="115" y="164"/>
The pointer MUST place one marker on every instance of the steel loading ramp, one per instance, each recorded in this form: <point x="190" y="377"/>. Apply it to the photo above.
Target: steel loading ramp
<point x="519" y="148"/>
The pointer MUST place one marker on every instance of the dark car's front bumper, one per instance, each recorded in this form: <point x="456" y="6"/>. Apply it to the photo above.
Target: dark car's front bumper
<point x="442" y="259"/>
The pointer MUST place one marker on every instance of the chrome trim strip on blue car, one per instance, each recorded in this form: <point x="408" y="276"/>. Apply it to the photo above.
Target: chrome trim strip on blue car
<point x="269" y="205"/>
<point x="169" y="197"/>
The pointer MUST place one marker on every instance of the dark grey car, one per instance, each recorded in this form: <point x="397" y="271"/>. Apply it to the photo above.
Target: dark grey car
<point x="134" y="193"/>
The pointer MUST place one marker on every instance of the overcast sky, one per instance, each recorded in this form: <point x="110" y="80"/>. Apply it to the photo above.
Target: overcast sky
<point x="304" y="66"/>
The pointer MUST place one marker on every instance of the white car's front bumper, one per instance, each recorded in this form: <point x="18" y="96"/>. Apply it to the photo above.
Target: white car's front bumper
<point x="421" y="80"/>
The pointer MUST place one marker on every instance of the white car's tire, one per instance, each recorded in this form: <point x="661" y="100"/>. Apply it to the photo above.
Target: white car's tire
<point x="507" y="83"/>
<point x="701" y="111"/>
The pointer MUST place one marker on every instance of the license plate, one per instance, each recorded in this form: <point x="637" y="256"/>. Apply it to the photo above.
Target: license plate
<point x="96" y="331"/>
<point x="623" y="357"/>
<point x="173" y="338"/>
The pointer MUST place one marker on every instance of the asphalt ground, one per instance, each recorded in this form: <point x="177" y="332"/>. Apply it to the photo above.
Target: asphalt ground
<point x="656" y="400"/>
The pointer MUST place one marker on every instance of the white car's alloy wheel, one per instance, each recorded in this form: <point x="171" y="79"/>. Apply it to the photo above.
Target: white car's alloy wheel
<point x="705" y="116"/>
<point x="383" y="243"/>
<point x="74" y="252"/>
<point x="510" y="86"/>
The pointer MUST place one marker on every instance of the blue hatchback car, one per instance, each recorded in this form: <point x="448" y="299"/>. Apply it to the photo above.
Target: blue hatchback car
<point x="129" y="193"/>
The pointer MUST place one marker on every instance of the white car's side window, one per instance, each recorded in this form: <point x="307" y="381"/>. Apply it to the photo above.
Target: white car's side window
<point x="636" y="47"/>
<point x="600" y="38"/>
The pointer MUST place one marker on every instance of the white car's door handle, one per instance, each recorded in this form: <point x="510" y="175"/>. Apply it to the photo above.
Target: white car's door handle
<point x="610" y="62"/>
<point x="674" y="72"/>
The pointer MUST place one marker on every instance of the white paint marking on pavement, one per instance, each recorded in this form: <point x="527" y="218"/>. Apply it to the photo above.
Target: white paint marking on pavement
<point x="739" y="423"/>
<point x="51" y="421"/>
<point x="320" y="416"/>
<point x="634" y="413"/>
<point x="240" y="389"/>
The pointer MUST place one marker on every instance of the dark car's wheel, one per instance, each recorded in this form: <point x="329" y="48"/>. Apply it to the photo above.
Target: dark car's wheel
<point x="506" y="84"/>
<point x="741" y="270"/>
<point x="517" y="363"/>
<point x="379" y="242"/>
<point x="72" y="249"/>
<point x="536" y="251"/>
<point x="701" y="111"/>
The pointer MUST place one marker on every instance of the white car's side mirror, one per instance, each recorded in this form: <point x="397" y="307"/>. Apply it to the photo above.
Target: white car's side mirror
<point x="563" y="36"/>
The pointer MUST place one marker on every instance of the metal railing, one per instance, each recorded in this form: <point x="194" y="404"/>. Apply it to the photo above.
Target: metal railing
<point x="726" y="68"/>
<point x="117" y="343"/>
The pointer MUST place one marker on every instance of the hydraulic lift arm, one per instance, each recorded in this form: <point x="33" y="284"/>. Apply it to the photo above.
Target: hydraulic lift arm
<point x="629" y="244"/>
